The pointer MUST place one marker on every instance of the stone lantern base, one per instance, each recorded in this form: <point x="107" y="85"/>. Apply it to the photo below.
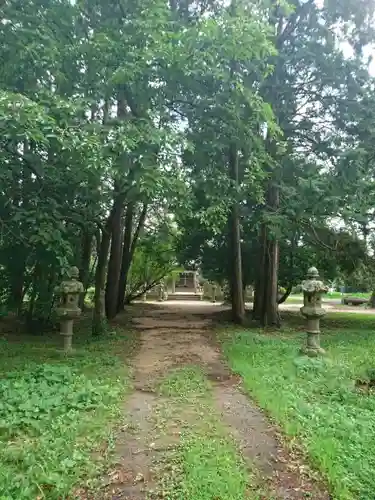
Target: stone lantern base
<point x="313" y="289"/>
<point x="66" y="330"/>
<point x="67" y="317"/>
<point x="69" y="292"/>
<point x="312" y="347"/>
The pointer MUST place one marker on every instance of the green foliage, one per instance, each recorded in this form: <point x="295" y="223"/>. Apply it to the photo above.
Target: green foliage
<point x="322" y="102"/>
<point x="210" y="467"/>
<point x="113" y="105"/>
<point x="29" y="401"/>
<point x="316" y="399"/>
<point x="154" y="259"/>
<point x="184" y="382"/>
<point x="54" y="413"/>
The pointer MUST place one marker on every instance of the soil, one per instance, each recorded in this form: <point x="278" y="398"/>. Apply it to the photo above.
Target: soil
<point x="172" y="335"/>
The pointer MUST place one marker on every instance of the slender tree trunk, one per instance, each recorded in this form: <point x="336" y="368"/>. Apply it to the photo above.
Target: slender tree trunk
<point x="235" y="279"/>
<point x="103" y="243"/>
<point x="99" y="316"/>
<point x="261" y="276"/>
<point x="288" y="291"/>
<point x="270" y="313"/>
<point x="84" y="268"/>
<point x="17" y="267"/>
<point x="33" y="294"/>
<point x="284" y="297"/>
<point x="270" y="316"/>
<point x="126" y="257"/>
<point x="17" y="284"/>
<point x="114" y="264"/>
<point x="130" y="242"/>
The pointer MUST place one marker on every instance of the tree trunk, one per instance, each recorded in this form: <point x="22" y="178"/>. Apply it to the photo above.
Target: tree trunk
<point x="84" y="267"/>
<point x="270" y="313"/>
<point x="126" y="257"/>
<point x="114" y="264"/>
<point x="17" y="280"/>
<point x="130" y="242"/>
<point x="235" y="278"/>
<point x="289" y="288"/>
<point x="99" y="317"/>
<point x="33" y="295"/>
<point x="261" y="276"/>
<point x="284" y="297"/>
<point x="17" y="265"/>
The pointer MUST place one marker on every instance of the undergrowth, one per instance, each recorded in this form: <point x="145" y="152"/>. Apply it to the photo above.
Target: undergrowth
<point x="316" y="399"/>
<point x="57" y="415"/>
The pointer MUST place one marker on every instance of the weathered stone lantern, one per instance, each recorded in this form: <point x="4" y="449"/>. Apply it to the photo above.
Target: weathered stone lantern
<point x="144" y="295"/>
<point x="163" y="294"/>
<point x="313" y="289"/>
<point x="68" y="309"/>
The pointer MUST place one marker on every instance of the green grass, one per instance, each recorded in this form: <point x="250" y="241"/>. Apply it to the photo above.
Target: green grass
<point x="338" y="295"/>
<point x="315" y="399"/>
<point x="206" y="465"/>
<point x="294" y="299"/>
<point x="57" y="414"/>
<point x="184" y="383"/>
<point x="330" y="295"/>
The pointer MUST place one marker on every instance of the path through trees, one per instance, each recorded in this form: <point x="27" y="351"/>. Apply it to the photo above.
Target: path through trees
<point x="160" y="415"/>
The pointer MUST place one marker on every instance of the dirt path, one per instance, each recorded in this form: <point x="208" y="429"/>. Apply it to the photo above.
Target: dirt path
<point x="178" y="336"/>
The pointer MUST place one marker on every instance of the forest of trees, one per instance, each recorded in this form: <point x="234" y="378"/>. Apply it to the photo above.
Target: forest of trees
<point x="140" y="135"/>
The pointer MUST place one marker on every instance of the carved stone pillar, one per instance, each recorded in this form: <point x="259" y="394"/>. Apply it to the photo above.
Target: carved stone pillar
<point x="313" y="289"/>
<point x="69" y="293"/>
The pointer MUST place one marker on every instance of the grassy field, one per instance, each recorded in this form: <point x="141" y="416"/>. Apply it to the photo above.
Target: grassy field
<point x="57" y="412"/>
<point x="316" y="400"/>
<point x="329" y="295"/>
<point x="338" y="295"/>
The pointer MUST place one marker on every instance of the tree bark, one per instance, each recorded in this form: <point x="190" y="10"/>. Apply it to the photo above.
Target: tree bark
<point x="234" y="233"/>
<point x="284" y="297"/>
<point x="270" y="313"/>
<point x="289" y="288"/>
<point x="129" y="245"/>
<point x="99" y="316"/>
<point x="17" y="281"/>
<point x="114" y="264"/>
<point x="126" y="255"/>
<point x="258" y="305"/>
<point x="84" y="268"/>
<point x="33" y="294"/>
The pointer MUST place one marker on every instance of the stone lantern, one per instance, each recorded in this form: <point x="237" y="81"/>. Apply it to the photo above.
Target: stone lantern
<point x="213" y="292"/>
<point x="163" y="294"/>
<point x="68" y="309"/>
<point x="144" y="295"/>
<point x="313" y="289"/>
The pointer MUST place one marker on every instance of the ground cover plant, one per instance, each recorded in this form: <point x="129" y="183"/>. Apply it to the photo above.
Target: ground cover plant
<point x="327" y="403"/>
<point x="57" y="415"/>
